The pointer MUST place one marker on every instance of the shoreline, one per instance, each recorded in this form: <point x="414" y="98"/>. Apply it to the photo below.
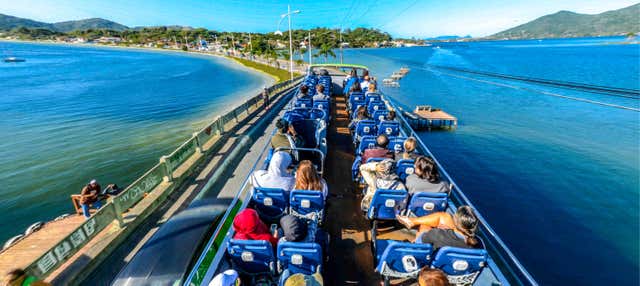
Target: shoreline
<point x="149" y="49"/>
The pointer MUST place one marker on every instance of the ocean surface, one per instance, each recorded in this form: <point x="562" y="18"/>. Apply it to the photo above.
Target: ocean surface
<point x="557" y="178"/>
<point x="69" y="114"/>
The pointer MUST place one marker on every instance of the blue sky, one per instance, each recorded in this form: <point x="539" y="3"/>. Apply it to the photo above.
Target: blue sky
<point x="405" y="18"/>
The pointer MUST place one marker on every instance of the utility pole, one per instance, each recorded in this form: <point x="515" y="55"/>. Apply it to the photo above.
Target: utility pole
<point x="250" y="47"/>
<point x="310" y="47"/>
<point x="290" y="43"/>
<point x="341" y="46"/>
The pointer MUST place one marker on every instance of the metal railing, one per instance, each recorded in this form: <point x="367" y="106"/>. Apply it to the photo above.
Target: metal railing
<point x="507" y="258"/>
<point x="147" y="183"/>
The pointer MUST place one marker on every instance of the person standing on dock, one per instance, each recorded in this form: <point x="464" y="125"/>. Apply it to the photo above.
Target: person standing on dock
<point x="90" y="197"/>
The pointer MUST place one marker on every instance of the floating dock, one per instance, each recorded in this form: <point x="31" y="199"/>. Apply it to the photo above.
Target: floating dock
<point x="427" y="117"/>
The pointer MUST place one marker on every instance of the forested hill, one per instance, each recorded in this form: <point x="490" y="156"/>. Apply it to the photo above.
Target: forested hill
<point x="566" y="24"/>
<point x="9" y="22"/>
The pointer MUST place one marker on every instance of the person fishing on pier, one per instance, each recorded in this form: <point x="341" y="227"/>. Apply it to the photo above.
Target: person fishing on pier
<point x="89" y="197"/>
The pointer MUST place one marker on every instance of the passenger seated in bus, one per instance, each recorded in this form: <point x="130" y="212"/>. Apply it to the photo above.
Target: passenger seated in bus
<point x="89" y="197"/>
<point x="432" y="277"/>
<point x="286" y="136"/>
<point x="300" y="279"/>
<point x="365" y="73"/>
<point x="294" y="229"/>
<point x="379" y="175"/>
<point x="248" y="226"/>
<point x="320" y="93"/>
<point x="351" y="80"/>
<point x="371" y="88"/>
<point x="409" y="150"/>
<point x="379" y="151"/>
<point x="425" y="177"/>
<point x="276" y="175"/>
<point x="229" y="277"/>
<point x="354" y="88"/>
<point x="391" y="116"/>
<point x="361" y="114"/>
<point x="442" y="229"/>
<point x="304" y="92"/>
<point x="364" y="85"/>
<point x="307" y="178"/>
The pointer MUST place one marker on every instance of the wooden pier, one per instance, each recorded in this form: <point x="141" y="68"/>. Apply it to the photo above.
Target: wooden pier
<point x="427" y="117"/>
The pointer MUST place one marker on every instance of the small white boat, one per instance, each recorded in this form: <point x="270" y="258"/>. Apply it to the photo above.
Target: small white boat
<point x="13" y="60"/>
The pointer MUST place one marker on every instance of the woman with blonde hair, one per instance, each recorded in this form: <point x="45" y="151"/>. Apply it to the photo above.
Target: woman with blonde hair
<point x="409" y="150"/>
<point x="371" y="88"/>
<point x="307" y="178"/>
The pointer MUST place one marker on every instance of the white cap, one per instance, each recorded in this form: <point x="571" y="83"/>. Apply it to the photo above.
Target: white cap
<point x="227" y="278"/>
<point x="93" y="181"/>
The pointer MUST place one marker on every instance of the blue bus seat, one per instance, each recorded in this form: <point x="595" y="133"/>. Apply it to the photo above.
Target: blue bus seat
<point x="270" y="203"/>
<point x="317" y="113"/>
<point x="372" y="97"/>
<point x="307" y="204"/>
<point x="355" y="105"/>
<point x="424" y="203"/>
<point x="386" y="204"/>
<point x="364" y="127"/>
<point x="356" y="96"/>
<point x="404" y="168"/>
<point x="299" y="257"/>
<point x="304" y="102"/>
<point x="321" y="104"/>
<point x="375" y="105"/>
<point x="389" y="128"/>
<point x="366" y="142"/>
<point x="396" y="144"/>
<point x="251" y="257"/>
<point x="399" y="259"/>
<point x="380" y="115"/>
<point x="462" y="265"/>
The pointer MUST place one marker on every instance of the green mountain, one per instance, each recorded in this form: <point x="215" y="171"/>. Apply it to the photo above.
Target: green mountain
<point x="93" y="23"/>
<point x="566" y="24"/>
<point x="9" y="22"/>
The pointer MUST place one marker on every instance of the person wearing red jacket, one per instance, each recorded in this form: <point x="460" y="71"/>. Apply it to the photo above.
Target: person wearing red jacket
<point x="248" y="226"/>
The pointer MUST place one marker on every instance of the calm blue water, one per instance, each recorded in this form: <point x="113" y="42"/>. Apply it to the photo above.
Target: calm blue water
<point x="557" y="179"/>
<point x="69" y="114"/>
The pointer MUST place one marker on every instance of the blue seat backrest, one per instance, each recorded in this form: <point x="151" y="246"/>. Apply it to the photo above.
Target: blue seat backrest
<point x="404" y="168"/>
<point x="296" y="114"/>
<point x="355" y="105"/>
<point x="270" y="203"/>
<point x="321" y="104"/>
<point x="307" y="204"/>
<point x="304" y="102"/>
<point x="396" y="144"/>
<point x="389" y="128"/>
<point x="379" y="115"/>
<point x="366" y="142"/>
<point x="375" y="105"/>
<point x="366" y="127"/>
<point x="356" y="96"/>
<point x="317" y="113"/>
<point x="402" y="259"/>
<point x="424" y="203"/>
<point x="251" y="256"/>
<point x="386" y="204"/>
<point x="299" y="257"/>
<point x="372" y="97"/>
<point x="457" y="261"/>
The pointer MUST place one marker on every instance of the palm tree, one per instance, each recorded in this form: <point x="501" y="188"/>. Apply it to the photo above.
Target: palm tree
<point x="326" y="51"/>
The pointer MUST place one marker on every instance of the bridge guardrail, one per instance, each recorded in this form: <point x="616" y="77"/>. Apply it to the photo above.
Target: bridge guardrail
<point x="135" y="192"/>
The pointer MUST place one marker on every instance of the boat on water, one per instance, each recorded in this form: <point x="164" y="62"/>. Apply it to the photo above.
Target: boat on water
<point x="344" y="244"/>
<point x="13" y="60"/>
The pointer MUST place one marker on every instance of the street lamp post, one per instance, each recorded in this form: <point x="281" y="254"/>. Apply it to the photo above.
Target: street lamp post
<point x="278" y="32"/>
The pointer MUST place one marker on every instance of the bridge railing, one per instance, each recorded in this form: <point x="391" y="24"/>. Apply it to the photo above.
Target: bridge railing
<point x="149" y="182"/>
